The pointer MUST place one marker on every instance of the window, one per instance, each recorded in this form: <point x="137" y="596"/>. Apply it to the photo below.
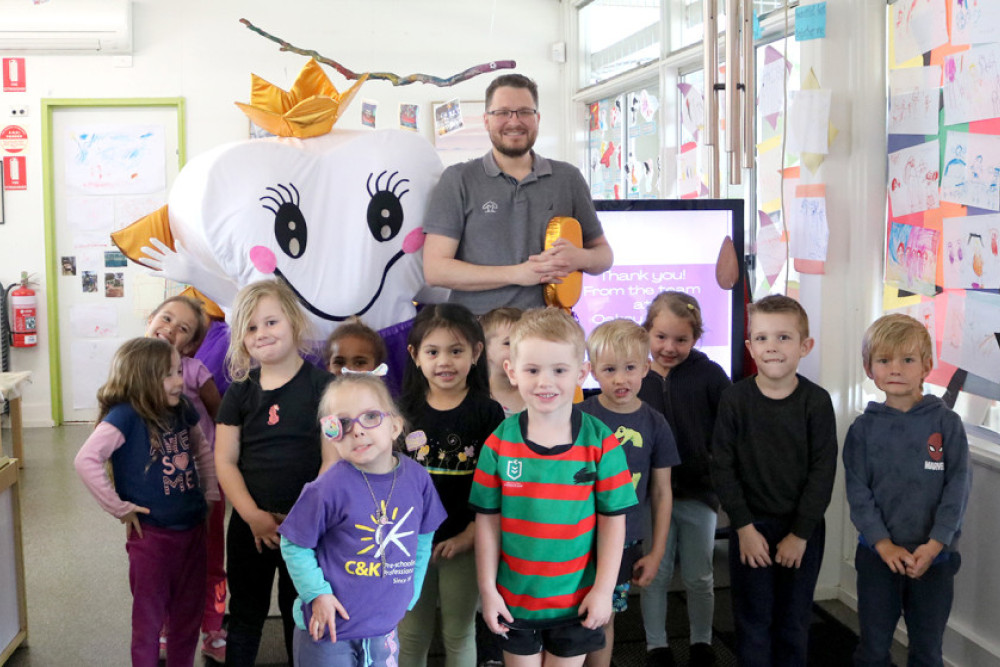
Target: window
<point x="618" y="35"/>
<point x="624" y="146"/>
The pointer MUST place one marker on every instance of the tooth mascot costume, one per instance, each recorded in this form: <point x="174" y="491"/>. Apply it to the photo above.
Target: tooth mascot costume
<point x="337" y="215"/>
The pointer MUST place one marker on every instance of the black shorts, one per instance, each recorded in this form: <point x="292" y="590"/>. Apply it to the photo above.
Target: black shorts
<point x="562" y="641"/>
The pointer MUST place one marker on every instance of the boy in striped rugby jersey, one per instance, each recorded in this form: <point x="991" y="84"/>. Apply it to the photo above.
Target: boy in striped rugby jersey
<point x="550" y="492"/>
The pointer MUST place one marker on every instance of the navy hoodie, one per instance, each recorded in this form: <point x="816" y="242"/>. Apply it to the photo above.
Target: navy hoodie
<point x="908" y="474"/>
<point x="689" y="398"/>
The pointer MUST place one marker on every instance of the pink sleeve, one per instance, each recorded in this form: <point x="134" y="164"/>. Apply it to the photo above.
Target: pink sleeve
<point x="204" y="459"/>
<point x="90" y="465"/>
<point x="195" y="374"/>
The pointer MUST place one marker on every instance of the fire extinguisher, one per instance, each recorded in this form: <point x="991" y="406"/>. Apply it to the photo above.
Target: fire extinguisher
<point x="25" y="307"/>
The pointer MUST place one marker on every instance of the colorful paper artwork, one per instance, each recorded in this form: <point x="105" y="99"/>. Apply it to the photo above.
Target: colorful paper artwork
<point x="771" y="100"/>
<point x="810" y="22"/>
<point x="692" y="109"/>
<point x="808" y="230"/>
<point x="974" y="21"/>
<point x="408" y="116"/>
<point x="809" y="122"/>
<point x="114" y="160"/>
<point x="913" y="179"/>
<point x="911" y="262"/>
<point x="918" y="27"/>
<point x="915" y="95"/>
<point x="971" y="252"/>
<point x="769" y="173"/>
<point x="971" y="173"/>
<point x="687" y="171"/>
<point x="970" y="342"/>
<point x="448" y="117"/>
<point x="771" y="248"/>
<point x="972" y="84"/>
<point x="369" y="110"/>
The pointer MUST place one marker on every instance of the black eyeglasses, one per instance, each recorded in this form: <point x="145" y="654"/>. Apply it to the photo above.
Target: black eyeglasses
<point x="507" y="114"/>
<point x="336" y="428"/>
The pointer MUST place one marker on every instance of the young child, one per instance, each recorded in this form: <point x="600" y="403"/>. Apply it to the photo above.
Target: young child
<point x="267" y="446"/>
<point x="447" y="403"/>
<point x="550" y="490"/>
<point x="181" y="321"/>
<point x="685" y="386"/>
<point x="354" y="346"/>
<point x="775" y="457"/>
<point x="496" y="326"/>
<point x="163" y="474"/>
<point x="908" y="477"/>
<point x="358" y="539"/>
<point x="619" y="359"/>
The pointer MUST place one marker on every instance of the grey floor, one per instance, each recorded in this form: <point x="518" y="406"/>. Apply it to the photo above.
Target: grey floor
<point x="76" y="567"/>
<point x="75" y="564"/>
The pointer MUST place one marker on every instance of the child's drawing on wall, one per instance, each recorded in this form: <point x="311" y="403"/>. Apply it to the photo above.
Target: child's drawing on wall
<point x="913" y="179"/>
<point x="912" y="258"/>
<point x="971" y="253"/>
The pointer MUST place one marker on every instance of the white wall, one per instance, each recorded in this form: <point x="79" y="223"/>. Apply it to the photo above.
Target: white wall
<point x="199" y="51"/>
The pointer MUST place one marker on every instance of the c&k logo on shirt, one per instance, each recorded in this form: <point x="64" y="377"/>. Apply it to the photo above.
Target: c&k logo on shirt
<point x="514" y="468"/>
<point x="386" y="529"/>
<point x="490" y="207"/>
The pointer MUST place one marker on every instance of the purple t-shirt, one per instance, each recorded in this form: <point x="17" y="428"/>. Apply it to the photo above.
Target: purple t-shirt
<point x="335" y="516"/>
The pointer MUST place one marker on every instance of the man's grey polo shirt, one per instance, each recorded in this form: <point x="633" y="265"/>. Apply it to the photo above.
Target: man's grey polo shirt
<point x="499" y="221"/>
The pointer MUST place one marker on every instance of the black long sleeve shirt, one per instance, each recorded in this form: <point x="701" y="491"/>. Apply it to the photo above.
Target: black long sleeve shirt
<point x="775" y="457"/>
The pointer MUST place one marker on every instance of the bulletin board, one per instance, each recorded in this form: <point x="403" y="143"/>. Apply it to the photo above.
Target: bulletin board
<point x="943" y="230"/>
<point x="107" y="163"/>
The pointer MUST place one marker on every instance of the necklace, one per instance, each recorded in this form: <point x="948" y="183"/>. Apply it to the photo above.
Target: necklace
<point x="381" y="514"/>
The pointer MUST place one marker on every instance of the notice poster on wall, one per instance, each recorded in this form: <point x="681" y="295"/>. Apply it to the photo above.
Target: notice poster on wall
<point x="658" y="250"/>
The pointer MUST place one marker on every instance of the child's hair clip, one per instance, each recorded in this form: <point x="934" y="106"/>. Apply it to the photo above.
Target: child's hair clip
<point x="690" y="306"/>
<point x="415" y="441"/>
<point x="378" y="371"/>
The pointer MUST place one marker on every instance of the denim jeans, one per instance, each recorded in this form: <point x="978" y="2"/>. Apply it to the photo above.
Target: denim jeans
<point x="692" y="536"/>
<point x="772" y="606"/>
<point x="925" y="604"/>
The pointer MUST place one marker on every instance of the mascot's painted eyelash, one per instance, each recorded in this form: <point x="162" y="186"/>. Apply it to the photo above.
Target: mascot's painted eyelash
<point x="289" y="223"/>
<point x="385" y="212"/>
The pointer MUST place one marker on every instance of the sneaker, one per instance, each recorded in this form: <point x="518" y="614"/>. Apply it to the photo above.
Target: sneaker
<point x="702" y="655"/>
<point x="660" y="657"/>
<point x="163" y="647"/>
<point x="214" y="646"/>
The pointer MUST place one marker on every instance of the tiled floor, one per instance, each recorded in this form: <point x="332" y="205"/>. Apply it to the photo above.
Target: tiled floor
<point x="77" y="587"/>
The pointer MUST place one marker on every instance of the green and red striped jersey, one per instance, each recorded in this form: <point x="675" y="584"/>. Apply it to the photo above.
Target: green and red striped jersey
<point x="548" y="499"/>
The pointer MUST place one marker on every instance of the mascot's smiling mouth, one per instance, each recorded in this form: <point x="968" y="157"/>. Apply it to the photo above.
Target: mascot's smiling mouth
<point x="340" y="318"/>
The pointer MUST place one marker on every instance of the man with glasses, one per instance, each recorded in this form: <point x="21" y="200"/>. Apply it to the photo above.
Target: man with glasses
<point x="486" y="220"/>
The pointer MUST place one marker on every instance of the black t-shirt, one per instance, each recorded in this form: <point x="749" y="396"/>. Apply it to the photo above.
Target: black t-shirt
<point x="279" y="434"/>
<point x="454" y="439"/>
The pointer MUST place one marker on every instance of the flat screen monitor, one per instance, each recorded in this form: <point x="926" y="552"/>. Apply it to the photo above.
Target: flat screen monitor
<point x="670" y="244"/>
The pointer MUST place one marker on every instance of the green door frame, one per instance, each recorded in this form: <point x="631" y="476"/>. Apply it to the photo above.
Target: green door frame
<point x="49" y="107"/>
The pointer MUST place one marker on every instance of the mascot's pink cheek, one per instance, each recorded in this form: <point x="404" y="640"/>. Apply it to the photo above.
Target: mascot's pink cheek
<point x="263" y="259"/>
<point x="414" y="241"/>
